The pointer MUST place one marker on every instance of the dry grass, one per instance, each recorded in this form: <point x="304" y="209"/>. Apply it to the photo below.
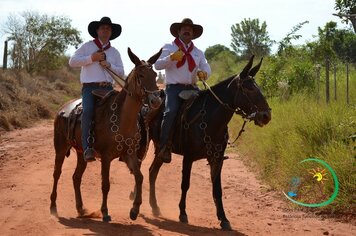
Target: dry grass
<point x="25" y="99"/>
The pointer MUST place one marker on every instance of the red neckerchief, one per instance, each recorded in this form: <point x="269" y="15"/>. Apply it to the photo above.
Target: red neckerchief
<point x="187" y="56"/>
<point x="100" y="46"/>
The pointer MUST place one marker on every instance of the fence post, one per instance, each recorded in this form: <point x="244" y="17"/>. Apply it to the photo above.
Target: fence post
<point x="327" y="69"/>
<point x="347" y="82"/>
<point x="318" y="67"/>
<point x="335" y="96"/>
<point x="4" y="62"/>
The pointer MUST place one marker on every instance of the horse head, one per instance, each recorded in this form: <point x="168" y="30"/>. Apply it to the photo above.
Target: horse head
<point x="249" y="97"/>
<point x="141" y="82"/>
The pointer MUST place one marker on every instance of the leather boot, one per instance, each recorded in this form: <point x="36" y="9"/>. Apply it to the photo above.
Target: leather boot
<point x="165" y="154"/>
<point x="89" y="155"/>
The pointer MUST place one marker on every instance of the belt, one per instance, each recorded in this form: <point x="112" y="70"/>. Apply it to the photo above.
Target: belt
<point x="98" y="84"/>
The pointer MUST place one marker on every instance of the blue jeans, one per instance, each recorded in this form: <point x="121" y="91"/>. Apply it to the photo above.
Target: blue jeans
<point x="88" y="102"/>
<point x="172" y="105"/>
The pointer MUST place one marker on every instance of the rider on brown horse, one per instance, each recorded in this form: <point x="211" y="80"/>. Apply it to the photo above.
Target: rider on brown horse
<point x="93" y="57"/>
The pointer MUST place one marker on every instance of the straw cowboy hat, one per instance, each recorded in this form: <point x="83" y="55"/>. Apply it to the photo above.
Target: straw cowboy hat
<point x="94" y="25"/>
<point x="197" y="29"/>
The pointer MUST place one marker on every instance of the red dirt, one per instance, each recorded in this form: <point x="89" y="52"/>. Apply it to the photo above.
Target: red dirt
<point x="26" y="167"/>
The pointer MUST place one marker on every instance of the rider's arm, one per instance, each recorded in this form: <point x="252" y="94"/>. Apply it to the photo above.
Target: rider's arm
<point x="164" y="61"/>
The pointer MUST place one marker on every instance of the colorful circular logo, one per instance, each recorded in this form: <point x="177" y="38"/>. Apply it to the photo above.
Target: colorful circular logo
<point x="309" y="189"/>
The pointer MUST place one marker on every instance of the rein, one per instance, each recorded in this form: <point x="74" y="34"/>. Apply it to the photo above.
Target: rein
<point x="238" y="110"/>
<point x="113" y="75"/>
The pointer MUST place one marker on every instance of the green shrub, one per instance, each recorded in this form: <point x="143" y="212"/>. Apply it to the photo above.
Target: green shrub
<point x="301" y="128"/>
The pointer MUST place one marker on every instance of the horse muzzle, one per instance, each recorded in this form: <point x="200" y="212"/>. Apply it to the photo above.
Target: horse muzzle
<point x="262" y="118"/>
<point x="154" y="101"/>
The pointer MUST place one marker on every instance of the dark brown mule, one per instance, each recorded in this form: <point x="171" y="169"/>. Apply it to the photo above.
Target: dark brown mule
<point x="204" y="133"/>
<point x="116" y="134"/>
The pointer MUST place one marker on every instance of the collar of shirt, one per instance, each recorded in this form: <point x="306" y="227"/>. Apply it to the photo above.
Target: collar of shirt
<point x="103" y="45"/>
<point x="186" y="46"/>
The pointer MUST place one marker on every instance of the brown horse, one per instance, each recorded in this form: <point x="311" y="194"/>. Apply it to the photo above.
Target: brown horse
<point x="203" y="133"/>
<point x="116" y="134"/>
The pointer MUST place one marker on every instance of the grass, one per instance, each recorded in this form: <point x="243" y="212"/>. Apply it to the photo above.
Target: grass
<point x="301" y="128"/>
<point x="25" y="99"/>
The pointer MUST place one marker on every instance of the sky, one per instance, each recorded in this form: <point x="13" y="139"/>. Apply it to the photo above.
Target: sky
<point x="145" y="23"/>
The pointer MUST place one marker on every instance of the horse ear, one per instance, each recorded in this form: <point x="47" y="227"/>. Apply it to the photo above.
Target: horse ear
<point x="255" y="69"/>
<point x="155" y="57"/>
<point x="247" y="68"/>
<point x="135" y="60"/>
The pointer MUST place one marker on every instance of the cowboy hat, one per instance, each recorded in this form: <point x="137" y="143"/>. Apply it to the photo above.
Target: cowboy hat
<point x="197" y="29"/>
<point x="94" y="25"/>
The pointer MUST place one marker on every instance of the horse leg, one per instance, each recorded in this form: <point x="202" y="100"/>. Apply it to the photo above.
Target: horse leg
<point x="133" y="165"/>
<point x="187" y="167"/>
<point x="105" y="187"/>
<point x="154" y="169"/>
<point x="77" y="180"/>
<point x="134" y="191"/>
<point x="60" y="154"/>
<point x="133" y="194"/>
<point x="215" y="172"/>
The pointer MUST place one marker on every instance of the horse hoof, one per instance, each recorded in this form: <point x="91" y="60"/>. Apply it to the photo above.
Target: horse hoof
<point x="156" y="212"/>
<point x="183" y="218"/>
<point x="132" y="196"/>
<point x="133" y="214"/>
<point x="106" y="218"/>
<point x="82" y="212"/>
<point x="53" y="211"/>
<point x="225" y="225"/>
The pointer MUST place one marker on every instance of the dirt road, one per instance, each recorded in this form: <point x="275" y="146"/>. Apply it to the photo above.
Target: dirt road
<point x="26" y="166"/>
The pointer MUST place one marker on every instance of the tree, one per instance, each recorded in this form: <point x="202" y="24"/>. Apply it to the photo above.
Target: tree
<point x="249" y="38"/>
<point x="346" y="11"/>
<point x="212" y="51"/>
<point x="286" y="42"/>
<point x="334" y="42"/>
<point x="39" y="41"/>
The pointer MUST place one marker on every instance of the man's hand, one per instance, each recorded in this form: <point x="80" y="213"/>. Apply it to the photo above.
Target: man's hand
<point x="202" y="75"/>
<point x="177" y="55"/>
<point x="98" y="56"/>
<point x="105" y="64"/>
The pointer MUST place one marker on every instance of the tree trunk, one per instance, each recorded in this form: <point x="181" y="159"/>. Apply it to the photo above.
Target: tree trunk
<point x="353" y="21"/>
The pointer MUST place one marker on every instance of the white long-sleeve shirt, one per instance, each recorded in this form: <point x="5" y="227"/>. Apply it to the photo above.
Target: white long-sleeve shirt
<point x="181" y="75"/>
<point x="92" y="71"/>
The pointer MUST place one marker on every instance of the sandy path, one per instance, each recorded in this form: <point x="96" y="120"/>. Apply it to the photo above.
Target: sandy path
<point x="26" y="166"/>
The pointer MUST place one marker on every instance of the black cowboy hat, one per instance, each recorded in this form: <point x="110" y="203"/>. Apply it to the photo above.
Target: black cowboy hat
<point x="94" y="25"/>
<point x="197" y="29"/>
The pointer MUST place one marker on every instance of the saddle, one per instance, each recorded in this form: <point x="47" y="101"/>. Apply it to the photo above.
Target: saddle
<point x="181" y="124"/>
<point x="73" y="112"/>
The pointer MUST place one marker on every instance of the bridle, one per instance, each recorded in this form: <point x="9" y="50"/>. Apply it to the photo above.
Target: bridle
<point x="237" y="110"/>
<point x="143" y="91"/>
<point x="246" y="117"/>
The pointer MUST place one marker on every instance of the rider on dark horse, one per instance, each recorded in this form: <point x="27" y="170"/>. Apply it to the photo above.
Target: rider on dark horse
<point x="182" y="62"/>
<point x="93" y="57"/>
